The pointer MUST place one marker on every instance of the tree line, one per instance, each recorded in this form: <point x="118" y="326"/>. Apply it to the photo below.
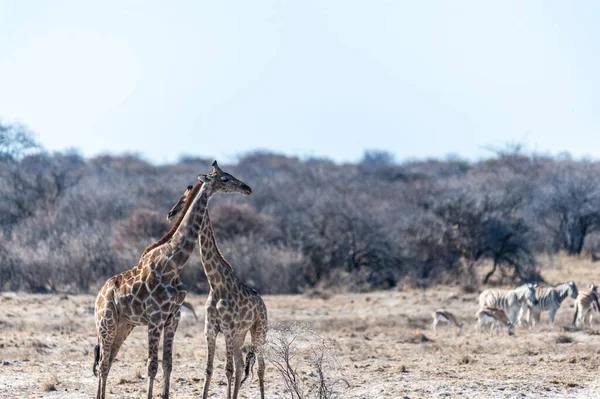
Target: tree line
<point x="68" y="223"/>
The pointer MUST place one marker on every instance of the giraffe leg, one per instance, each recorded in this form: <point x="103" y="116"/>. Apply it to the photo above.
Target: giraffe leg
<point x="211" y="337"/>
<point x="170" y="329"/>
<point x="259" y="337"/>
<point x="123" y="332"/>
<point x="153" y="341"/>
<point x="230" y="344"/>
<point x="238" y="363"/>
<point x="107" y="330"/>
<point x="261" y="373"/>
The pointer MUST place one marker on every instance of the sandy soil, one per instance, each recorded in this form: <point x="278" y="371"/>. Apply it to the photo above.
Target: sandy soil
<point x="382" y="341"/>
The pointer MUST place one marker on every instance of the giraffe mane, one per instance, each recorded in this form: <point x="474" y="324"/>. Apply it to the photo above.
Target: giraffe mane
<point x="169" y="234"/>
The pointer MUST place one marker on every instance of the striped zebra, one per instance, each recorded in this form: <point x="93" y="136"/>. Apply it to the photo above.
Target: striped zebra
<point x="550" y="299"/>
<point x="510" y="301"/>
<point x="586" y="303"/>
<point x="494" y="316"/>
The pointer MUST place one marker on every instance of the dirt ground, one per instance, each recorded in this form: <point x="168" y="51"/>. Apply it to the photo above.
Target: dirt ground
<point x="382" y="341"/>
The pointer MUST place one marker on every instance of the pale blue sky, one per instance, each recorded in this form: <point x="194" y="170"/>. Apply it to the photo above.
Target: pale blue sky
<point x="309" y="78"/>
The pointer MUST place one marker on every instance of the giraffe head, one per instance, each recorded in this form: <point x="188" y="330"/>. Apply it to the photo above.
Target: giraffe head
<point x="219" y="181"/>
<point x="180" y="204"/>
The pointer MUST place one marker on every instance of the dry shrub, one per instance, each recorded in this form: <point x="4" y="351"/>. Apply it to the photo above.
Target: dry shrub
<point x="46" y="255"/>
<point x="306" y="362"/>
<point x="465" y="360"/>
<point x="563" y="339"/>
<point x="144" y="226"/>
<point x="231" y="219"/>
<point x="414" y="337"/>
<point x="49" y="384"/>
<point x="269" y="268"/>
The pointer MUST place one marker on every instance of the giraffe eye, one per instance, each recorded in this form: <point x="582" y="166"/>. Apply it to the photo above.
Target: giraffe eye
<point x="224" y="179"/>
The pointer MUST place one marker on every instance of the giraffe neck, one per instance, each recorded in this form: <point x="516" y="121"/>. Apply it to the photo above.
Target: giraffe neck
<point x="183" y="241"/>
<point x="218" y="271"/>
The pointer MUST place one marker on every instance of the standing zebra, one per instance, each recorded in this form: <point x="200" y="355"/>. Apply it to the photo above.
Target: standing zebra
<point x="550" y="299"/>
<point x="511" y="300"/>
<point x="586" y="302"/>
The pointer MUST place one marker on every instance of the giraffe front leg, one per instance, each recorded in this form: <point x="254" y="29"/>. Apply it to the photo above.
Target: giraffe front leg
<point x="229" y="343"/>
<point x="170" y="329"/>
<point x="153" y="341"/>
<point x="210" y="335"/>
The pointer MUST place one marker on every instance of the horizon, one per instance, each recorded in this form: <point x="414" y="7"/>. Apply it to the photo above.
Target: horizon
<point x="313" y="80"/>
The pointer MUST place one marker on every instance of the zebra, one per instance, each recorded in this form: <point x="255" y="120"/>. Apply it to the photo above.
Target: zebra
<point x="496" y="317"/>
<point x="444" y="315"/>
<point x="586" y="303"/>
<point x="550" y="299"/>
<point x="510" y="300"/>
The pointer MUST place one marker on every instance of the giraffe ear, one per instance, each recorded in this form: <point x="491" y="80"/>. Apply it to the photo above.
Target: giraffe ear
<point x="203" y="178"/>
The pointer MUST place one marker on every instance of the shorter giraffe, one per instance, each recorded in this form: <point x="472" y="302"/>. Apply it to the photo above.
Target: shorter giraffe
<point x="232" y="308"/>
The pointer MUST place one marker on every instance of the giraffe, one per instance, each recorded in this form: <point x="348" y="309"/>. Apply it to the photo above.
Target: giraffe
<point x="232" y="308"/>
<point x="151" y="292"/>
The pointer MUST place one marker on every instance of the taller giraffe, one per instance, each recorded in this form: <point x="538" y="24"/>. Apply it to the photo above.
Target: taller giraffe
<point x="151" y="293"/>
<point x="232" y="307"/>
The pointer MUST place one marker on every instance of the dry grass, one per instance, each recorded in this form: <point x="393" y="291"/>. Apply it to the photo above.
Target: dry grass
<point x="382" y="340"/>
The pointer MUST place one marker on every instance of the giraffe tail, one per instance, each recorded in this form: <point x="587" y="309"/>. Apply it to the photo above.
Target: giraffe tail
<point x="250" y="360"/>
<point x="96" y="359"/>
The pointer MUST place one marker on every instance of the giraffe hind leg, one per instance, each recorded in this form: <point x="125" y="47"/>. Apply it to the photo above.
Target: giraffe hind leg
<point x="107" y="331"/>
<point x="123" y="332"/>
<point x="238" y="361"/>
<point x="258" y="335"/>
<point x="261" y="374"/>
<point x="104" y="350"/>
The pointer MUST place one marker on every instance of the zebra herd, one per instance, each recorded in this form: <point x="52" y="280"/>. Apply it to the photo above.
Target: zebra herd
<point x="507" y="307"/>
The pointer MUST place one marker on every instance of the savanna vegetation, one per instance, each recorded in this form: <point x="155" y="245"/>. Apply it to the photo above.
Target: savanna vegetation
<point x="68" y="223"/>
